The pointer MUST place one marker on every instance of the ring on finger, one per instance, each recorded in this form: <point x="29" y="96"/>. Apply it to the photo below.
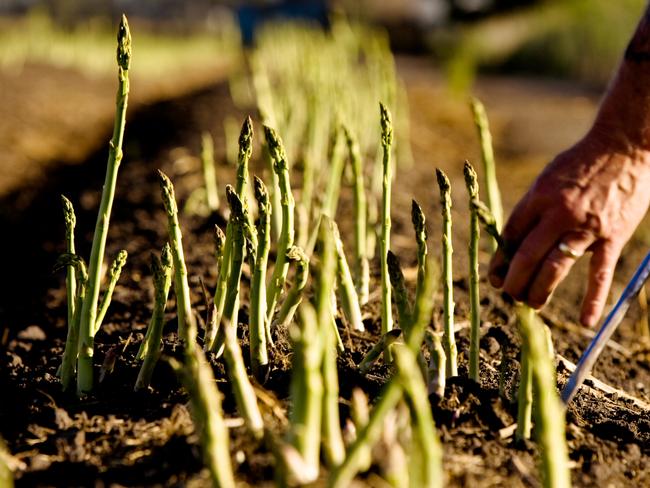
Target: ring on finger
<point x="568" y="251"/>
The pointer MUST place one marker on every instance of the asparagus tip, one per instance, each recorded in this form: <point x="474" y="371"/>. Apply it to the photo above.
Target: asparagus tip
<point x="443" y="181"/>
<point x="68" y="212"/>
<point x="236" y="206"/>
<point x="417" y="217"/>
<point x="386" y="125"/>
<point x="276" y="148"/>
<point x="471" y="180"/>
<point x="246" y="137"/>
<point x="167" y="188"/>
<point x="219" y="239"/>
<point x="124" y="44"/>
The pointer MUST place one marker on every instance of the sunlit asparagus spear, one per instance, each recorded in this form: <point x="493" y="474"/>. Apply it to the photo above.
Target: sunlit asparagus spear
<point x="424" y="428"/>
<point x="525" y="392"/>
<point x="231" y="305"/>
<point x="186" y="322"/>
<point x="245" y="152"/>
<point x="420" y="228"/>
<point x="400" y="293"/>
<point x="437" y="360"/>
<point x="258" y="324"/>
<point x="68" y="363"/>
<point x="489" y="168"/>
<point x="362" y="270"/>
<point x="550" y="424"/>
<point x="337" y="160"/>
<point x="349" y="297"/>
<point x="89" y="306"/>
<point x="447" y="278"/>
<point x="307" y="386"/>
<point x="294" y="295"/>
<point x="196" y="375"/>
<point x="489" y="223"/>
<point x="113" y="276"/>
<point x="342" y="475"/>
<point x="211" y="324"/>
<point x="209" y="173"/>
<point x="382" y="344"/>
<point x="150" y="348"/>
<point x="281" y="168"/>
<point x="384" y="241"/>
<point x="70" y="222"/>
<point x="242" y="388"/>
<point x="471" y="181"/>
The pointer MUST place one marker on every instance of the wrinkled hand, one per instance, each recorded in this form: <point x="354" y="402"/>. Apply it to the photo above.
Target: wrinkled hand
<point x="591" y="197"/>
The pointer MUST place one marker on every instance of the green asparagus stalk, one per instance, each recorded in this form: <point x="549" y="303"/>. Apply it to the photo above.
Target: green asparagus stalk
<point x="258" y="326"/>
<point x="332" y="438"/>
<point x="550" y="427"/>
<point x="386" y="304"/>
<point x="68" y="363"/>
<point x="307" y="386"/>
<point x="400" y="293"/>
<point x="186" y="322"/>
<point x="150" y="348"/>
<point x="196" y="375"/>
<point x="243" y="389"/>
<point x="113" y="276"/>
<point x="362" y="270"/>
<point x="337" y="160"/>
<point x="489" y="223"/>
<point x="231" y="305"/>
<point x="424" y="429"/>
<point x="209" y="173"/>
<point x="244" y="156"/>
<point x="360" y="413"/>
<point x="343" y="474"/>
<point x="89" y="306"/>
<point x="294" y="296"/>
<point x="382" y="344"/>
<point x="419" y="225"/>
<point x="447" y="269"/>
<point x="281" y="268"/>
<point x="70" y="222"/>
<point x="525" y="394"/>
<point x="436" y="370"/>
<point x="349" y="297"/>
<point x="489" y="167"/>
<point x="471" y="181"/>
<point x="211" y="324"/>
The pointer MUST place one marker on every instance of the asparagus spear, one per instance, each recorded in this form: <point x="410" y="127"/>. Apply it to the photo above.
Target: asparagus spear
<point x="401" y="295"/>
<point x="437" y="360"/>
<point x="258" y="326"/>
<point x="294" y="296"/>
<point x="70" y="222"/>
<point x="471" y="181"/>
<point x="447" y="269"/>
<point x="419" y="225"/>
<point x="281" y="168"/>
<point x="211" y="325"/>
<point x="113" y="276"/>
<point x="89" y="306"/>
<point x="186" y="322"/>
<point x="150" y="348"/>
<point x="382" y="344"/>
<point x="362" y="270"/>
<point x="209" y="173"/>
<point x="386" y="142"/>
<point x="349" y="297"/>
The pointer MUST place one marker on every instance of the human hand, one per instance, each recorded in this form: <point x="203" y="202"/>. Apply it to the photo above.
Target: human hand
<point x="591" y="198"/>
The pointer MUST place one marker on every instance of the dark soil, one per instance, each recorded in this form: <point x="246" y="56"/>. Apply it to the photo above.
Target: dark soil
<point x="118" y="437"/>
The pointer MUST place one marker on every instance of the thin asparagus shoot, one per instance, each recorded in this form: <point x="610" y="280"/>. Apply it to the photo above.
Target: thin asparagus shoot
<point x="209" y="173"/>
<point x="471" y="181"/>
<point x="245" y="152"/>
<point x="348" y="293"/>
<point x="525" y="393"/>
<point x="196" y="375"/>
<point x="150" y="348"/>
<point x="337" y="160"/>
<point x="489" y="167"/>
<point x="436" y="370"/>
<point x="70" y="222"/>
<point x="186" y="322"/>
<point x="489" y="223"/>
<point x="113" y="276"/>
<point x="384" y="241"/>
<point x="211" y="325"/>
<point x="401" y="295"/>
<point x="281" y="268"/>
<point x="258" y="324"/>
<point x="420" y="228"/>
<point x="384" y="342"/>
<point x="447" y="270"/>
<point x="89" y="306"/>
<point x="360" y="413"/>
<point x="362" y="269"/>
<point x="294" y="295"/>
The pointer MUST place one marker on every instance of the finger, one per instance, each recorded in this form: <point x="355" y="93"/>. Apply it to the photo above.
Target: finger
<point x="601" y="272"/>
<point x="530" y="255"/>
<point x="556" y="266"/>
<point x="522" y="219"/>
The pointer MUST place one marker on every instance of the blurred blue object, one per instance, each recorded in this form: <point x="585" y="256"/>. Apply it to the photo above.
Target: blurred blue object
<point x="251" y="16"/>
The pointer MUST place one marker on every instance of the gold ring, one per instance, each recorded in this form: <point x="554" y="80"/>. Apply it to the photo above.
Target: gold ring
<point x="568" y="251"/>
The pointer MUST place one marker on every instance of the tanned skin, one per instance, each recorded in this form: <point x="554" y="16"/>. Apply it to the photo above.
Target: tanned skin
<point x="590" y="197"/>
